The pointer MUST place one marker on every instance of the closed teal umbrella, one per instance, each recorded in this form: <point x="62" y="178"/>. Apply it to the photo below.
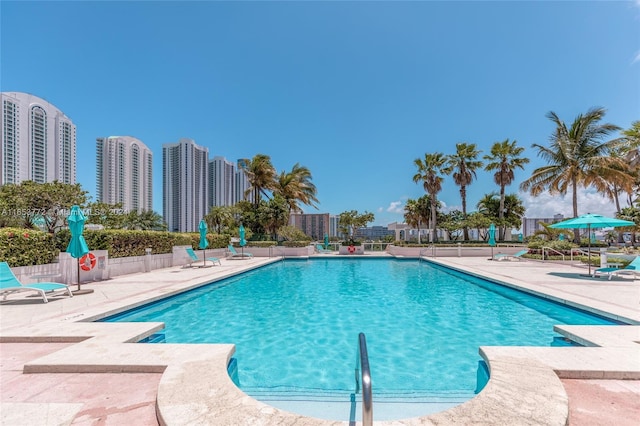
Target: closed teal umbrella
<point x="77" y="245"/>
<point x="326" y="241"/>
<point x="243" y="242"/>
<point x="203" y="239"/>
<point x="492" y="237"/>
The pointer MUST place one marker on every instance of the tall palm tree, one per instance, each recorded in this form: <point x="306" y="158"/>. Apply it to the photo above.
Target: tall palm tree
<point x="261" y="176"/>
<point x="504" y="159"/>
<point x="576" y="157"/>
<point x="463" y="165"/>
<point x="296" y="187"/>
<point x="429" y="172"/>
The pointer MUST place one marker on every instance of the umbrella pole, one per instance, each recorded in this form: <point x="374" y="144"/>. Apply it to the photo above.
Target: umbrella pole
<point x="589" y="246"/>
<point x="78" y="269"/>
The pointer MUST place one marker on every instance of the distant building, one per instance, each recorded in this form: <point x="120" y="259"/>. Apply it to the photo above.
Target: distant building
<point x="313" y="225"/>
<point x="374" y="232"/>
<point x="38" y="141"/>
<point x="184" y="184"/>
<point x="124" y="169"/>
<point x="333" y="226"/>
<point x="222" y="181"/>
<point x="241" y="182"/>
<point x="531" y="225"/>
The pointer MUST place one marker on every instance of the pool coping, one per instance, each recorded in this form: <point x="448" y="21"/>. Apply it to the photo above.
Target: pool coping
<point x="524" y="387"/>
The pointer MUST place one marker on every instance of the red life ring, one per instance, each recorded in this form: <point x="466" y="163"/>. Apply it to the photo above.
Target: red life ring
<point x="87" y="262"/>
<point x="351" y="249"/>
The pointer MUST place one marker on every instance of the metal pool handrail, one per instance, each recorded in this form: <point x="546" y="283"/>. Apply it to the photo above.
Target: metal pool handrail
<point x="362" y="363"/>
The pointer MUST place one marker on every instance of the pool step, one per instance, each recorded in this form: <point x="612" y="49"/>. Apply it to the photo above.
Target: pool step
<point x="348" y="407"/>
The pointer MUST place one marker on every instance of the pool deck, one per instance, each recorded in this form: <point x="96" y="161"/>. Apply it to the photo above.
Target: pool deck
<point x="58" y="368"/>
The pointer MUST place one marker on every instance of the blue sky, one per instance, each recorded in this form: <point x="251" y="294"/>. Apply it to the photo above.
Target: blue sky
<point x="355" y="90"/>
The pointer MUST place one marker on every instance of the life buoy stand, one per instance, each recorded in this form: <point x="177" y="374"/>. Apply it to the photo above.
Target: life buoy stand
<point x="87" y="262"/>
<point x="351" y="249"/>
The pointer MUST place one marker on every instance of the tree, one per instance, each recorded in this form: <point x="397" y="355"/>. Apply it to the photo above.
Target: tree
<point x="291" y="233"/>
<point x="274" y="214"/>
<point x="111" y="216"/>
<point x="261" y="176"/>
<point x="429" y="173"/>
<point x="146" y="220"/>
<point x="452" y="223"/>
<point x="44" y="204"/>
<point x="512" y="208"/>
<point x="296" y="187"/>
<point x="480" y="223"/>
<point x="417" y="212"/>
<point x="632" y="214"/>
<point x="350" y="221"/>
<point x="221" y="218"/>
<point x="547" y="232"/>
<point x="504" y="159"/>
<point x="463" y="165"/>
<point x="576" y="157"/>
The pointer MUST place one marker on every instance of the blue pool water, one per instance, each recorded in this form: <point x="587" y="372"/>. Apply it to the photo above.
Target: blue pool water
<point x="296" y="323"/>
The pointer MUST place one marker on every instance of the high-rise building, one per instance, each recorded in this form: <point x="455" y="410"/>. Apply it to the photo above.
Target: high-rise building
<point x="221" y="182"/>
<point x="314" y="225"/>
<point x="242" y="182"/>
<point x="184" y="184"/>
<point x="124" y="167"/>
<point x="38" y="141"/>
<point x="532" y="224"/>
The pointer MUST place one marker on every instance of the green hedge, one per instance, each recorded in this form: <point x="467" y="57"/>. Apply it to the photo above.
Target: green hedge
<point x="295" y="243"/>
<point x="24" y="247"/>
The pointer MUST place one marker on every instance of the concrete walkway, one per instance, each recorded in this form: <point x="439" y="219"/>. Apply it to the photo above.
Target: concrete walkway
<point x="83" y="367"/>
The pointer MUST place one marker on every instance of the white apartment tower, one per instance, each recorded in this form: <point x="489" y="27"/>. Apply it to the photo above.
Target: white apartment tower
<point x="221" y="182"/>
<point x="124" y="168"/>
<point x="38" y="141"/>
<point x="241" y="182"/>
<point x="184" y="185"/>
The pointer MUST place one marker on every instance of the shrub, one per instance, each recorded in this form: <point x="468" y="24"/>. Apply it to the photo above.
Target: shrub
<point x="295" y="243"/>
<point x="24" y="247"/>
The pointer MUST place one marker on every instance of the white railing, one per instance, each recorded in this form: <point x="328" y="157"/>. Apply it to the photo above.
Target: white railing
<point x="552" y="250"/>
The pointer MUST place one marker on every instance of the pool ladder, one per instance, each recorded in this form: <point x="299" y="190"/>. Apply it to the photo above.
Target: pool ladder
<point x="362" y="365"/>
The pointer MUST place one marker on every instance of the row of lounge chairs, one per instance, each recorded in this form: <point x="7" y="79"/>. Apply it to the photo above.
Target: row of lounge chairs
<point x="632" y="268"/>
<point x="231" y="252"/>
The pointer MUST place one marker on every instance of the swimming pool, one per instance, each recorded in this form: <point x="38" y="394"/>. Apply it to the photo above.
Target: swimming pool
<point x="295" y="325"/>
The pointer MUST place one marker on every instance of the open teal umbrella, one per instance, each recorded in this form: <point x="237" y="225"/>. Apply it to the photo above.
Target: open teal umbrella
<point x="589" y="221"/>
<point x="243" y="242"/>
<point x="203" y="239"/>
<point x="77" y="247"/>
<point x="326" y="241"/>
<point x="492" y="237"/>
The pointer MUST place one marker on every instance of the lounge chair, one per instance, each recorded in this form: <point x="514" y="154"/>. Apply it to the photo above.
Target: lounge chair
<point x="234" y="253"/>
<point x="9" y="284"/>
<point x="506" y="256"/>
<point x="321" y="249"/>
<point x="194" y="258"/>
<point x="632" y="268"/>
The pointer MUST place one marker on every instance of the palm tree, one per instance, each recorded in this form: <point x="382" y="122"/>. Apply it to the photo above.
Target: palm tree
<point x="429" y="173"/>
<point x="576" y="157"/>
<point x="416" y="212"/>
<point x="504" y="159"/>
<point x="463" y="164"/>
<point x="261" y="176"/>
<point x="296" y="187"/>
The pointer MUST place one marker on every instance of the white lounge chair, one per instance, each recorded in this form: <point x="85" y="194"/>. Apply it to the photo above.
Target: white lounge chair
<point x="9" y="284"/>
<point x="506" y="256"/>
<point x="632" y="268"/>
